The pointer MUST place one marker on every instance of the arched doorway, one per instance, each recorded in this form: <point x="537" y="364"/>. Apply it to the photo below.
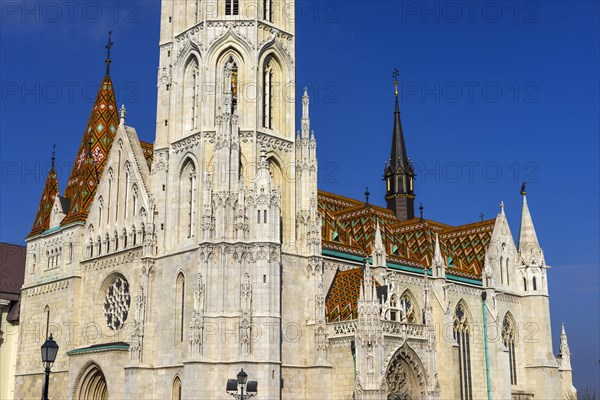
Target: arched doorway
<point x="92" y="384"/>
<point x="404" y="376"/>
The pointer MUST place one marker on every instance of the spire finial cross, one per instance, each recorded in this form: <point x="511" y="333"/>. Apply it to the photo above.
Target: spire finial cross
<point x="481" y="216"/>
<point x="109" y="44"/>
<point x="367" y="194"/>
<point x="395" y="76"/>
<point x="421" y="210"/>
<point x="53" y="154"/>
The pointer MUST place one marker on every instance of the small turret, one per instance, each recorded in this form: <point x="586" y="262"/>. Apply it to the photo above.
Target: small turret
<point x="378" y="256"/>
<point x="564" y="367"/>
<point x="438" y="265"/>
<point x="529" y="248"/>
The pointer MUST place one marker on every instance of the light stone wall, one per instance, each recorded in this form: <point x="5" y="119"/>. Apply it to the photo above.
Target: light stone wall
<point x="8" y="353"/>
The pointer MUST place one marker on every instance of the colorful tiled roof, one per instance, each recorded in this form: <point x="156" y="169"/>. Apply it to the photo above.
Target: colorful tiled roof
<point x="93" y="153"/>
<point x="42" y="216"/>
<point x="343" y="295"/>
<point x="349" y="227"/>
<point x="148" y="151"/>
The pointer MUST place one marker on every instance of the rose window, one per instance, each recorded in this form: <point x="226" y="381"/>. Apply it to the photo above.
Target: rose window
<point x="116" y="303"/>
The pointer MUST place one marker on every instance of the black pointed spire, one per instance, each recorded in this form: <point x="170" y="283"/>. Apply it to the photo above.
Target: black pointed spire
<point x="399" y="173"/>
<point x="109" y="44"/>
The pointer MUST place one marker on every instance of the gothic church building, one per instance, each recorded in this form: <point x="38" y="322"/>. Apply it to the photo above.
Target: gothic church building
<point x="164" y="268"/>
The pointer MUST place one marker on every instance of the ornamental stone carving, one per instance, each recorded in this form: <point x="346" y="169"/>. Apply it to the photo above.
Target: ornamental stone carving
<point x="116" y="303"/>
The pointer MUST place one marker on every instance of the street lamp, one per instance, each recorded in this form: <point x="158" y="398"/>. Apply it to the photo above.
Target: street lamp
<point x="235" y="387"/>
<point x="49" y="351"/>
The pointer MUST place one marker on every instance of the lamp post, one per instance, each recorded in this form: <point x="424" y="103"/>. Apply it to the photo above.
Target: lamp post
<point x="49" y="351"/>
<point x="235" y="387"/>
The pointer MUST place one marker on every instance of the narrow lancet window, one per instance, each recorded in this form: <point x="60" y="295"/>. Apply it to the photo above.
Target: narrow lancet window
<point x="508" y="338"/>
<point x="462" y="337"/>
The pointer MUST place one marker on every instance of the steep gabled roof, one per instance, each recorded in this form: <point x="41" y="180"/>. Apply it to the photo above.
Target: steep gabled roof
<point x="42" y="216"/>
<point x="93" y="153"/>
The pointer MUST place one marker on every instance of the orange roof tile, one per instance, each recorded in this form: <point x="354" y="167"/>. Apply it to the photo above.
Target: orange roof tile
<point x="93" y="153"/>
<point x="349" y="227"/>
<point x="42" y="216"/>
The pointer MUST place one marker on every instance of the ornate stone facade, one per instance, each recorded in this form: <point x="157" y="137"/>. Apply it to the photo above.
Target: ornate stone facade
<point x="217" y="252"/>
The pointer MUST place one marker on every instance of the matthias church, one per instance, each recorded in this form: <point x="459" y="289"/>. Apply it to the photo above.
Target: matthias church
<point x="164" y="268"/>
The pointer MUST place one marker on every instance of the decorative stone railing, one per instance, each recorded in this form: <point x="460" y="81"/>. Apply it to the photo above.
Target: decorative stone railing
<point x="344" y="328"/>
<point x="402" y="329"/>
<point x="390" y="328"/>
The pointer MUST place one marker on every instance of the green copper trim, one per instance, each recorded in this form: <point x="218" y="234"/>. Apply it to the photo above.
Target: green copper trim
<point x="464" y="280"/>
<point x="98" y="348"/>
<point x="342" y="255"/>
<point x="485" y="344"/>
<point x="51" y="230"/>
<point x="450" y="277"/>
<point x="407" y="268"/>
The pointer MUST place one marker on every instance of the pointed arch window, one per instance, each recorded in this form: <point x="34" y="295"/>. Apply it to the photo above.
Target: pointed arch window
<point x="191" y="94"/>
<point x="179" y="307"/>
<point x="100" y="209"/>
<point x="187" y="198"/>
<point x="268" y="10"/>
<point x="110" y="183"/>
<point x="231" y="81"/>
<point x="47" y="315"/>
<point x="534" y="283"/>
<point x="407" y="306"/>
<point x="135" y="199"/>
<point x="176" y="389"/>
<point x="502" y="270"/>
<point x="232" y="7"/>
<point x="508" y="338"/>
<point x="267" y="96"/>
<point x="507" y="272"/>
<point x="524" y="284"/>
<point x="463" y="339"/>
<point x="126" y="191"/>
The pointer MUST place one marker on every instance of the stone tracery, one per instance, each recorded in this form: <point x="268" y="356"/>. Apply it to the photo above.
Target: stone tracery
<point x="116" y="303"/>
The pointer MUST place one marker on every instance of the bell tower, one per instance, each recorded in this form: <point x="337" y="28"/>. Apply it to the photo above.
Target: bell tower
<point x="398" y="172"/>
<point x="226" y="89"/>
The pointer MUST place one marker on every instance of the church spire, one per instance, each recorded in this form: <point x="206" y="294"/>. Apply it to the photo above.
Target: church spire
<point x="93" y="150"/>
<point x="529" y="247"/>
<point x="51" y="190"/>
<point x="564" y="357"/>
<point x="399" y="172"/>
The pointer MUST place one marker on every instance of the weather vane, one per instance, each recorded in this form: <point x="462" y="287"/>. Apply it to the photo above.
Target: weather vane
<point x="523" y="191"/>
<point x="395" y="76"/>
<point x="108" y="46"/>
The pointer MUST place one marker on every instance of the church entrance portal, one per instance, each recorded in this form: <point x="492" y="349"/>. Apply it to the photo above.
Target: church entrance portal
<point x="92" y="385"/>
<point x="403" y="378"/>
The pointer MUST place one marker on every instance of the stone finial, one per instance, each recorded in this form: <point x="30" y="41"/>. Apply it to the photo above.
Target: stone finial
<point x="123" y="112"/>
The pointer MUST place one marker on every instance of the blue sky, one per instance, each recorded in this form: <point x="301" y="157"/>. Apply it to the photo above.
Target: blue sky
<point x="491" y="94"/>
